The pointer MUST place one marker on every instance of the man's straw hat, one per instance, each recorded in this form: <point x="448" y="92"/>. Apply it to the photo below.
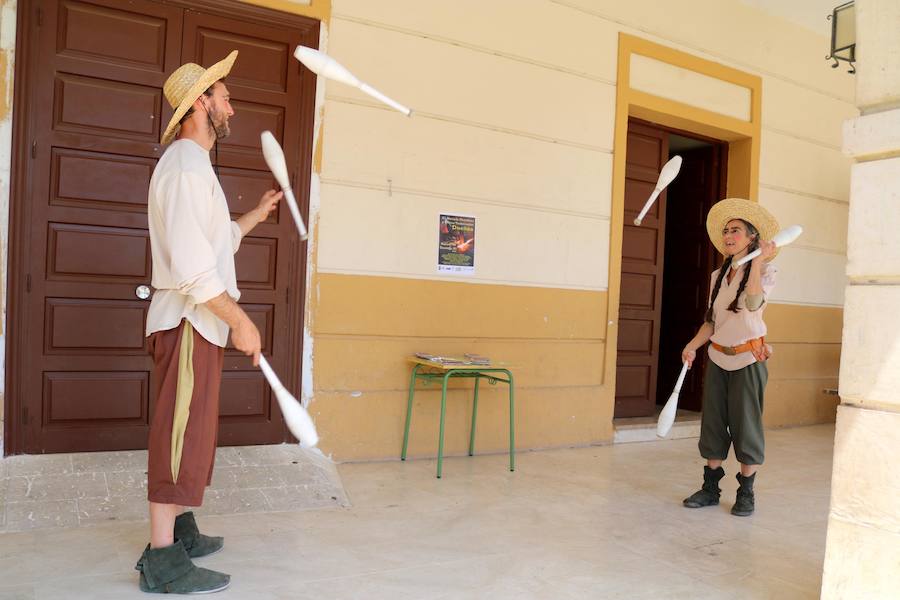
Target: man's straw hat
<point x="738" y="208"/>
<point x="186" y="84"/>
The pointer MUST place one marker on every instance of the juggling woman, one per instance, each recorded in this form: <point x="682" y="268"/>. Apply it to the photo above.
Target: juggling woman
<point x="735" y="380"/>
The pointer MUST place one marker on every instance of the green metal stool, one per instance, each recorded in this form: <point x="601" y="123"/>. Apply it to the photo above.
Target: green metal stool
<point x="444" y="373"/>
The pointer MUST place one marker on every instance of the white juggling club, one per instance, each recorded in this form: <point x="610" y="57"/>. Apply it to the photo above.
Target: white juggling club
<point x="782" y="238"/>
<point x="322" y="64"/>
<point x="669" y="172"/>
<point x="667" y="415"/>
<point x="295" y="416"/>
<point x="274" y="156"/>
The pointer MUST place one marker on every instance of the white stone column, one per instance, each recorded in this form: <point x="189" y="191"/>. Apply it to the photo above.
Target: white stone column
<point x="862" y="557"/>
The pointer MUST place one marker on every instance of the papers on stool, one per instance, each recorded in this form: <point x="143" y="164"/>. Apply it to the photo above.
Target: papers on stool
<point x="466" y="359"/>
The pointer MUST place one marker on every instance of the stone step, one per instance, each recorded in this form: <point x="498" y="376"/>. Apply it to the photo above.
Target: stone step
<point x="72" y="490"/>
<point x="643" y="429"/>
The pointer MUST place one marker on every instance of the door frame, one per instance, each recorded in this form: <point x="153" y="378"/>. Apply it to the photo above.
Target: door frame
<point x="743" y="137"/>
<point x="16" y="420"/>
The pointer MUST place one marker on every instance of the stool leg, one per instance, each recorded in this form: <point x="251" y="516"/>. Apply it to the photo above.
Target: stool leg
<point x="474" y="412"/>
<point x="440" y="465"/>
<point x="512" y="424"/>
<point x="409" y="405"/>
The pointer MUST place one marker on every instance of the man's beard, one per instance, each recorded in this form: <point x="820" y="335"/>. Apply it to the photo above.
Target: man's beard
<point x="219" y="123"/>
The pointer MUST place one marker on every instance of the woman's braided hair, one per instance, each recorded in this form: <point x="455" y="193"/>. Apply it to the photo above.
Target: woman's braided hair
<point x="733" y="307"/>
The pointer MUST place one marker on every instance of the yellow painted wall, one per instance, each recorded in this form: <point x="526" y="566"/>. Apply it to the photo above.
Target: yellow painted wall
<point x="365" y="327"/>
<point x="805" y="362"/>
<point x="554" y="339"/>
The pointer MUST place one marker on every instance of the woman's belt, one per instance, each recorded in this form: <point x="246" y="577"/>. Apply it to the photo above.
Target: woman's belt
<point x="751" y="346"/>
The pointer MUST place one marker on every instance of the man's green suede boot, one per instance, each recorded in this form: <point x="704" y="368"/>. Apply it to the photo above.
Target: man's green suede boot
<point x="195" y="543"/>
<point x="169" y="571"/>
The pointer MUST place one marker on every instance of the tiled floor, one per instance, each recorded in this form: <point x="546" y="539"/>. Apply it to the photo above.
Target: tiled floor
<point x="602" y="522"/>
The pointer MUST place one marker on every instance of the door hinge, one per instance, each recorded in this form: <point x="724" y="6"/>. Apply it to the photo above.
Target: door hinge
<point x="34" y="149"/>
<point x="287" y="296"/>
<point x="28" y="283"/>
<point x="40" y="16"/>
<point x="24" y="415"/>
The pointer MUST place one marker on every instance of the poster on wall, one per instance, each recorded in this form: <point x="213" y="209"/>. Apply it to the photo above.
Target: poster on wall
<point x="456" y="244"/>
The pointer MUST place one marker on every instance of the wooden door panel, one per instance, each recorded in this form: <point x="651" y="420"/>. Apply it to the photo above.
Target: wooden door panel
<point x="244" y="139"/>
<point x="637" y="193"/>
<point x="245" y="397"/>
<point x="638" y="291"/>
<point x="641" y="244"/>
<point x="263" y="64"/>
<point x="135" y="34"/>
<point x="641" y="278"/>
<point x="631" y="383"/>
<point x="637" y="336"/>
<point x="86" y="179"/>
<point x="99" y="107"/>
<point x="642" y="152"/>
<point x="85" y="398"/>
<point x="244" y="187"/>
<point x="255" y="263"/>
<point x="95" y="326"/>
<point x="85" y="252"/>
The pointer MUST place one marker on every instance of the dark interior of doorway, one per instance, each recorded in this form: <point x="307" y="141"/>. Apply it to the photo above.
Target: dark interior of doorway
<point x="689" y="260"/>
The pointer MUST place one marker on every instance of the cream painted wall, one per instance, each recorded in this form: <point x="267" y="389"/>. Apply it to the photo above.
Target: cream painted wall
<point x="689" y="87"/>
<point x="514" y="106"/>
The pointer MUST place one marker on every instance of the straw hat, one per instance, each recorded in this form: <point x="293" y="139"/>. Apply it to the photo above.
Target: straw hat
<point x="187" y="83"/>
<point x="738" y="208"/>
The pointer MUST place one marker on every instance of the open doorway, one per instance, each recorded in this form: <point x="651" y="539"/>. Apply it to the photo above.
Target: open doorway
<point x="689" y="260"/>
<point x="666" y="264"/>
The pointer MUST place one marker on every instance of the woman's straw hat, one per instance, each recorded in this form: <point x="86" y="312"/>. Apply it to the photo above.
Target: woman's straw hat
<point x="186" y="84"/>
<point x="738" y="208"/>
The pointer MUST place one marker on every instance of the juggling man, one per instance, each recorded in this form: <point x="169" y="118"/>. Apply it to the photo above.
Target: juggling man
<point x="193" y="242"/>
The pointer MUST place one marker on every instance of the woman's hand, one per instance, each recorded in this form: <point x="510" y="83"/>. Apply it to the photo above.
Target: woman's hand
<point x="688" y="356"/>
<point x="766" y="251"/>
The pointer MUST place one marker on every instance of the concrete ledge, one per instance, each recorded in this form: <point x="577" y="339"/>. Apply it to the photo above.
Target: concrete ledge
<point x="873" y="136"/>
<point x="643" y="429"/>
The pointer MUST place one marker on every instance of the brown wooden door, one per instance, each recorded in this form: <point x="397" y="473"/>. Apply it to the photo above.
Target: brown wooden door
<point x="642" y="268"/>
<point x="689" y="261"/>
<point x="88" y="126"/>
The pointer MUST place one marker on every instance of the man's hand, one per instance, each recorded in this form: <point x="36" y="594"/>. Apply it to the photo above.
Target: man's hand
<point x="246" y="338"/>
<point x="267" y="204"/>
<point x="688" y="356"/>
